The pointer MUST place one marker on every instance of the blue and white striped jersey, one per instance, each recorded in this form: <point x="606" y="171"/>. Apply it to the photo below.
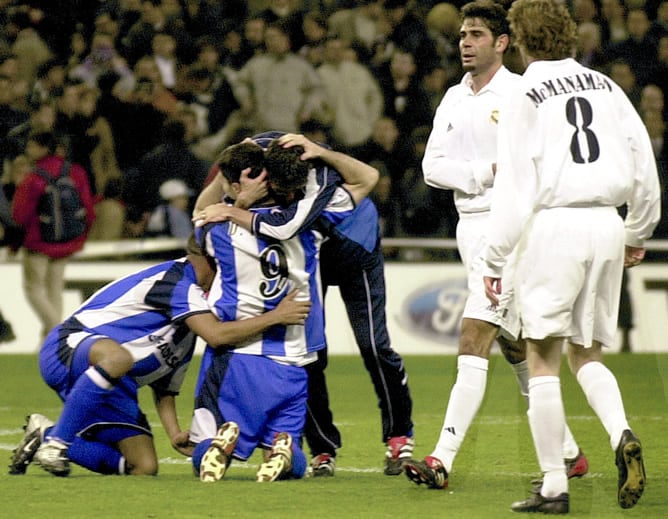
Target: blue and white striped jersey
<point x="145" y="313"/>
<point x="254" y="274"/>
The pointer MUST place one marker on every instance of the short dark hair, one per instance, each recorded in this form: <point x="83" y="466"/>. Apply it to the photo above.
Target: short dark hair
<point x="285" y="168"/>
<point x="492" y="13"/>
<point x="237" y="157"/>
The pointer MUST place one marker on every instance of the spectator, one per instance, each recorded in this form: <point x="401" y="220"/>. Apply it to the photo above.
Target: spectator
<point x="107" y="22"/>
<point x="212" y="105"/>
<point x="146" y="69"/>
<point x="104" y="165"/>
<point x="252" y="42"/>
<point x="622" y="74"/>
<point x="405" y="99"/>
<point x="291" y="18"/>
<point x="136" y="121"/>
<point x="164" y="53"/>
<point x="138" y="41"/>
<point x="613" y="22"/>
<point x="652" y="100"/>
<point x="103" y="58"/>
<point x="353" y="96"/>
<point x="209" y="58"/>
<point x="75" y="129"/>
<point x="424" y="211"/>
<point x="44" y="262"/>
<point x="10" y="116"/>
<point x="387" y="153"/>
<point x="9" y="68"/>
<point x="50" y="79"/>
<point x="639" y="49"/>
<point x="443" y="23"/>
<point x="435" y="83"/>
<point x="42" y="119"/>
<point x="28" y="46"/>
<point x="11" y="235"/>
<point x="357" y="24"/>
<point x="78" y="48"/>
<point x="109" y="213"/>
<point x="279" y="89"/>
<point x="584" y="11"/>
<point x="168" y="160"/>
<point x="407" y="31"/>
<point x="17" y="171"/>
<point x="659" y="27"/>
<point x="589" y="46"/>
<point x="314" y="27"/>
<point x="172" y="217"/>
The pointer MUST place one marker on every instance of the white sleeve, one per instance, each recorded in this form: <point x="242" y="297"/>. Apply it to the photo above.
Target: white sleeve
<point x="515" y="184"/>
<point x="644" y="206"/>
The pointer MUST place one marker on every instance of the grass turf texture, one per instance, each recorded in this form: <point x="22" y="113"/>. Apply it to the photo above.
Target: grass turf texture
<point x="494" y="467"/>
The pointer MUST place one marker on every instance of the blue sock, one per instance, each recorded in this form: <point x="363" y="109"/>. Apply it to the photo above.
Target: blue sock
<point x="198" y="453"/>
<point x="298" y="462"/>
<point x="87" y="394"/>
<point x="96" y="456"/>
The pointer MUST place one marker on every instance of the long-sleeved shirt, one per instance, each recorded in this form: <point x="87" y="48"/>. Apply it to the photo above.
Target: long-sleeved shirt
<point x="570" y="138"/>
<point x="462" y="145"/>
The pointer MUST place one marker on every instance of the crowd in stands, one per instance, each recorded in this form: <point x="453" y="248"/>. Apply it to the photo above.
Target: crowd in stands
<point x="146" y="92"/>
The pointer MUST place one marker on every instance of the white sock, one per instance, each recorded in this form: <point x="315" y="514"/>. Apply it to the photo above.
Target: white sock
<point x="521" y="370"/>
<point x="602" y="392"/>
<point x="465" y="399"/>
<point x="570" y="448"/>
<point x="547" y="420"/>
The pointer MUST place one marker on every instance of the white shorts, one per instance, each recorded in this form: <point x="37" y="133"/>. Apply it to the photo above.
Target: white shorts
<point x="570" y="275"/>
<point x="471" y="230"/>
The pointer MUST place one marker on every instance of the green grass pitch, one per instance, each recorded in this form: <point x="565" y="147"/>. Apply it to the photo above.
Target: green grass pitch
<point x="494" y="467"/>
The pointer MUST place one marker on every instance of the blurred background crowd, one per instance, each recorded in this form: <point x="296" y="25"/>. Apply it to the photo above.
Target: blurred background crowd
<point x="145" y="93"/>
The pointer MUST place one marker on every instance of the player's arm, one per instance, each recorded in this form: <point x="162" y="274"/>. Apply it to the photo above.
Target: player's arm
<point x="217" y="333"/>
<point x="210" y="195"/>
<point x="165" y="405"/>
<point x="359" y="178"/>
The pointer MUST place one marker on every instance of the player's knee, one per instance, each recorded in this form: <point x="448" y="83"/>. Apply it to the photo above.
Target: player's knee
<point x="143" y="467"/>
<point x="470" y="344"/>
<point x="115" y="360"/>
<point x="514" y="352"/>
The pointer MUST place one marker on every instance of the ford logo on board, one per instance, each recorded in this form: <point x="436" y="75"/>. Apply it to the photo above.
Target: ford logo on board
<point x="434" y="311"/>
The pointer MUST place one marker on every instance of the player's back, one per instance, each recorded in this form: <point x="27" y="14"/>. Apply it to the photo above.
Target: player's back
<point x="254" y="274"/>
<point x="144" y="313"/>
<point x="578" y="129"/>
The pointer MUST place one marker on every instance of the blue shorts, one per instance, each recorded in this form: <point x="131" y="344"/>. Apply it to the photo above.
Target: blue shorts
<point x="262" y="396"/>
<point x="61" y="366"/>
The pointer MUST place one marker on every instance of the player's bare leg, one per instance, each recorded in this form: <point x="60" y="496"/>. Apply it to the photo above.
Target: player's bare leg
<point x="140" y="456"/>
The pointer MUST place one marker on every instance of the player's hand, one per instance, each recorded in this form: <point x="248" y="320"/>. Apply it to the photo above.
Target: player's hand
<point x="291" y="311"/>
<point x="633" y="256"/>
<point x="252" y="189"/>
<point x="493" y="289"/>
<point x="311" y="149"/>
<point x="182" y="443"/>
<point x="212" y="213"/>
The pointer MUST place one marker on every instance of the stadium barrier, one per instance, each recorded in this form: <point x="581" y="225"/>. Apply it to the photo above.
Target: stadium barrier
<point x="424" y="300"/>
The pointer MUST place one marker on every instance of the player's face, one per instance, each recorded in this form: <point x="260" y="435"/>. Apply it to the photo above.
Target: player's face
<point x="478" y="47"/>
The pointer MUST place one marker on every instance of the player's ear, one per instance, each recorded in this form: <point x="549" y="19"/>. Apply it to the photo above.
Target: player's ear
<point x="502" y="42"/>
